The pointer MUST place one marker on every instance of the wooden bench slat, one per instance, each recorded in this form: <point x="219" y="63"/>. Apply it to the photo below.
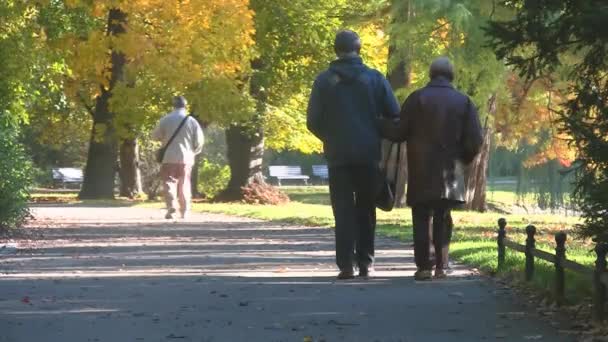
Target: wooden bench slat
<point x="320" y="171"/>
<point x="67" y="175"/>
<point x="287" y="172"/>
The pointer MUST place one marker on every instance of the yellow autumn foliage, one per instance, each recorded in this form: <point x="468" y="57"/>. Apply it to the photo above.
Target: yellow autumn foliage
<point x="171" y="46"/>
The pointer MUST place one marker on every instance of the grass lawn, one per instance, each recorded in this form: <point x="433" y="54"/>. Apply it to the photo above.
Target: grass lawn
<point x="474" y="240"/>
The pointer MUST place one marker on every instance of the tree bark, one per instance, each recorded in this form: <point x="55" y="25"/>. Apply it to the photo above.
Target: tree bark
<point x="100" y="169"/>
<point x="476" y="175"/>
<point x="399" y="78"/>
<point x="194" y="178"/>
<point x="245" y="152"/>
<point x="130" y="174"/>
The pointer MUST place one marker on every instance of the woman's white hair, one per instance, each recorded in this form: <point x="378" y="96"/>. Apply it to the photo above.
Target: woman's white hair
<point x="442" y="67"/>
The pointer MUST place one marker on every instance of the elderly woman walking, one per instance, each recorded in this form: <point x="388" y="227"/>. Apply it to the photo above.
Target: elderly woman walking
<point x="443" y="134"/>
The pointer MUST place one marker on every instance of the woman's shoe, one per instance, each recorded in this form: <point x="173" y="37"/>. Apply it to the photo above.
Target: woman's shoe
<point x="440" y="273"/>
<point x="365" y="272"/>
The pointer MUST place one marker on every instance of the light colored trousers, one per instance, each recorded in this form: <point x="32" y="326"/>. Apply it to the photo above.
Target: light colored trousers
<point x="176" y="186"/>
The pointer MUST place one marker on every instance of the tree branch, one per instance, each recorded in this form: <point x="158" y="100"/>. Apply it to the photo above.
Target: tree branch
<point x="85" y="105"/>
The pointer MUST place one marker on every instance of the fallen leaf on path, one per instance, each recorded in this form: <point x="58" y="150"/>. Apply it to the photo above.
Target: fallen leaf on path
<point x="25" y="300"/>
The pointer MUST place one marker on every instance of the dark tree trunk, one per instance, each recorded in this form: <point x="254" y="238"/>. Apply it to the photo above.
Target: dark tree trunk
<point x="130" y="174"/>
<point x="476" y="175"/>
<point x="399" y="78"/>
<point x="245" y="152"/>
<point x="194" y="178"/>
<point x="197" y="161"/>
<point x="245" y="146"/>
<point x="100" y="169"/>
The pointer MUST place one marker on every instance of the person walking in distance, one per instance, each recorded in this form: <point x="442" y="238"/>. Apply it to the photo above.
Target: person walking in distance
<point x="344" y="105"/>
<point x="443" y="134"/>
<point x="179" y="155"/>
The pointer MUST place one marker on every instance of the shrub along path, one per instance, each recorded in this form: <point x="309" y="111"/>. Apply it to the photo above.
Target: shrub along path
<point x="124" y="274"/>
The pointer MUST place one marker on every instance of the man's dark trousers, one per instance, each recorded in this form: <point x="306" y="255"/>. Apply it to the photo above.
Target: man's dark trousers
<point x="421" y="215"/>
<point x="352" y="190"/>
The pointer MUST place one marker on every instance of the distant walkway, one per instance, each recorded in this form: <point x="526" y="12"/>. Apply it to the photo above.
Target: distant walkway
<point x="124" y="274"/>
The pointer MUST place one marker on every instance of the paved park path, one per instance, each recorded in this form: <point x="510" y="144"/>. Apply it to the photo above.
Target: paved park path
<point x="124" y="274"/>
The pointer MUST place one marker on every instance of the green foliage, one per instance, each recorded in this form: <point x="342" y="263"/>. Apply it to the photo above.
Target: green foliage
<point x="545" y="35"/>
<point x="17" y="44"/>
<point x="294" y="40"/>
<point x="15" y="181"/>
<point x="212" y="177"/>
<point x="423" y="30"/>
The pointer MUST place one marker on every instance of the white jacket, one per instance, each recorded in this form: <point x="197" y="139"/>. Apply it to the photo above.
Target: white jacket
<point x="187" y="143"/>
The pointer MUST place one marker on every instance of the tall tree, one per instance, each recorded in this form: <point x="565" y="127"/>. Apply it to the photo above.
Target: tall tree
<point x="544" y="36"/>
<point x="293" y="41"/>
<point x="126" y="58"/>
<point x="423" y="30"/>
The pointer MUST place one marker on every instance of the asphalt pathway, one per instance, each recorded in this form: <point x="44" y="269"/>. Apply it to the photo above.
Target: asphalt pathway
<point x="125" y="274"/>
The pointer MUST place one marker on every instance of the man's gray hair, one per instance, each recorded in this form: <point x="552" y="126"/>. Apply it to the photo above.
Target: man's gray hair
<point x="179" y="102"/>
<point x="442" y="67"/>
<point x="347" y="44"/>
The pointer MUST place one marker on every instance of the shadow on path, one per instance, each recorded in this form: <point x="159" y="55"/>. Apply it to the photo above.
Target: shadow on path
<point x="123" y="274"/>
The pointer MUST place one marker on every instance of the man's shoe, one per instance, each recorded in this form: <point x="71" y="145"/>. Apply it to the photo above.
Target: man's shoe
<point x="345" y="275"/>
<point x="422" y="275"/>
<point x="366" y="272"/>
<point x="440" y="273"/>
<point x="170" y="214"/>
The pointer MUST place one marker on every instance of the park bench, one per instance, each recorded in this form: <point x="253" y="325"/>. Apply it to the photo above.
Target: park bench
<point x="321" y="172"/>
<point x="285" y="172"/>
<point x="67" y="175"/>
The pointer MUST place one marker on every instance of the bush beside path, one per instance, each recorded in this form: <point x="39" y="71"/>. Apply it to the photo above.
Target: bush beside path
<point x="123" y="274"/>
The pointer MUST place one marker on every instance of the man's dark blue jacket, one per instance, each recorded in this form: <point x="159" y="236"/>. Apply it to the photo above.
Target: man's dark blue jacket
<point x="345" y="103"/>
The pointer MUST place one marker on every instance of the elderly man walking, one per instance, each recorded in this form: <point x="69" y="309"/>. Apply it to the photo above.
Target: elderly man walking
<point x="443" y="134"/>
<point x="182" y="137"/>
<point x="344" y="106"/>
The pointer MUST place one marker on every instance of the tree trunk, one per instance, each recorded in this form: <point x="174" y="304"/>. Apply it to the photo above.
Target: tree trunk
<point x="130" y="174"/>
<point x="476" y="175"/>
<point x="194" y="178"/>
<point x="245" y="152"/>
<point x="100" y="169"/>
<point x="399" y="78"/>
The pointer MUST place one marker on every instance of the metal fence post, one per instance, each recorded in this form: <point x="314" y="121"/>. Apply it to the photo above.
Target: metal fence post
<point x="530" y="246"/>
<point x="560" y="276"/>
